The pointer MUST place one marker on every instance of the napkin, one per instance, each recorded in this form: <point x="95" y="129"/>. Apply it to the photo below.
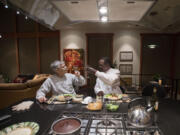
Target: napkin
<point x="25" y="105"/>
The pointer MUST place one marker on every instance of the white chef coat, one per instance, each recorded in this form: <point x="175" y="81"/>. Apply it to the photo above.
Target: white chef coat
<point x="108" y="81"/>
<point x="60" y="85"/>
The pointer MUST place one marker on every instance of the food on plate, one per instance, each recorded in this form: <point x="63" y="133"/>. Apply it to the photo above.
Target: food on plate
<point x="113" y="96"/>
<point x="112" y="107"/>
<point x="94" y="106"/>
<point x="60" y="98"/>
<point x="68" y="96"/>
<point x="125" y="95"/>
<point x="23" y="128"/>
<point x="79" y="96"/>
<point x="64" y="97"/>
<point x="77" y="100"/>
<point x="19" y="131"/>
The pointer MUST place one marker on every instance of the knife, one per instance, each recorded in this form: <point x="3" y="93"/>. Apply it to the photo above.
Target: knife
<point x="4" y="117"/>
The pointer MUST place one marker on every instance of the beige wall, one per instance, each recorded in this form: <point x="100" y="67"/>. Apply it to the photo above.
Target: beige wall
<point x="124" y="40"/>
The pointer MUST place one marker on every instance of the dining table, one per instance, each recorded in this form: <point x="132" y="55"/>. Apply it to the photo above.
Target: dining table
<point x="168" y="114"/>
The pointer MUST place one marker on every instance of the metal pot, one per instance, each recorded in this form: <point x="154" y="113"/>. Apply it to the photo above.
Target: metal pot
<point x="140" y="113"/>
<point x="66" y="126"/>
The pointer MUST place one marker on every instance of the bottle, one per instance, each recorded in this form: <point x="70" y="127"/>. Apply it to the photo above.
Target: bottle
<point x="160" y="81"/>
<point x="154" y="99"/>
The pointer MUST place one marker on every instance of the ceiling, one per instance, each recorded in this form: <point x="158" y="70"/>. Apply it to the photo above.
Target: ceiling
<point x="118" y="10"/>
<point x="160" y="16"/>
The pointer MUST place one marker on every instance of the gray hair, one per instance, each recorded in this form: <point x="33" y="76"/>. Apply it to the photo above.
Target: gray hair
<point x="56" y="64"/>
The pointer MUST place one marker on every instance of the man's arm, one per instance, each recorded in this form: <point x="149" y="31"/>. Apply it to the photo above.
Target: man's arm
<point x="110" y="78"/>
<point x="79" y="80"/>
<point x="97" y="89"/>
<point x="43" y="90"/>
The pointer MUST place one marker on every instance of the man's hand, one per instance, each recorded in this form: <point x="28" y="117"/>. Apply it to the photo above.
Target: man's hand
<point x="42" y="99"/>
<point x="100" y="93"/>
<point x="91" y="70"/>
<point x="77" y="73"/>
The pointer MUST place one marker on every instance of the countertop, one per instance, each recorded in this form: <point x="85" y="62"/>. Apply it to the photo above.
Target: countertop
<point x="168" y="115"/>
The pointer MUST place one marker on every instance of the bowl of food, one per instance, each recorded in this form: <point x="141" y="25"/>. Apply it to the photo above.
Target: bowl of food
<point x="95" y="106"/>
<point x="112" y="107"/>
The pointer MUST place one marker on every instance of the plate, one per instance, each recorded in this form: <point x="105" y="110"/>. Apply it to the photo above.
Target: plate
<point x="113" y="96"/>
<point x="23" y="128"/>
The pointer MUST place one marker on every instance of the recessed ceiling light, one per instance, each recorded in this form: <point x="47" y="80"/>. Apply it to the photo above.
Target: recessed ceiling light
<point x="0" y="36"/>
<point x="26" y="17"/>
<point x="6" y="6"/>
<point x="104" y="18"/>
<point x="103" y="10"/>
<point x="18" y="12"/>
<point x="152" y="46"/>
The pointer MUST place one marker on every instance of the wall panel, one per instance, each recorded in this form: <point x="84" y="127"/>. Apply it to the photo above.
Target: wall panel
<point x="49" y="48"/>
<point x="157" y="60"/>
<point x="7" y="20"/>
<point x="8" y="58"/>
<point x="28" y="56"/>
<point x="25" y="25"/>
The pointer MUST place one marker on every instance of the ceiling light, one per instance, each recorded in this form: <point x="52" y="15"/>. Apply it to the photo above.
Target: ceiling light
<point x="6" y="6"/>
<point x="0" y="36"/>
<point x="26" y="17"/>
<point x="103" y="10"/>
<point x="104" y="18"/>
<point x="152" y="46"/>
<point x="18" y="12"/>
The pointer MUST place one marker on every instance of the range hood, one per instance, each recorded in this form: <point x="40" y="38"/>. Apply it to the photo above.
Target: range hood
<point x="41" y="11"/>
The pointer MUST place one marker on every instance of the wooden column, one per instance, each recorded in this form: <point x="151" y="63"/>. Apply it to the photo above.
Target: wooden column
<point x="38" y="48"/>
<point x="59" y="47"/>
<point x="141" y="54"/>
<point x="16" y="43"/>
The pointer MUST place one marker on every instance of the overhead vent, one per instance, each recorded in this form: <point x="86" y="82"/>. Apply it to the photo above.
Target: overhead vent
<point x="39" y="10"/>
<point x="74" y="2"/>
<point x="153" y="13"/>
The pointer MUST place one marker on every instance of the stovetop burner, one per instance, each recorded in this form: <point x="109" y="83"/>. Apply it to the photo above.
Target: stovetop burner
<point x="108" y="124"/>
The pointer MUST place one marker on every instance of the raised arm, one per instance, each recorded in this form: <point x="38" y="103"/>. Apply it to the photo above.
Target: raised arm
<point x="109" y="78"/>
<point x="78" y="79"/>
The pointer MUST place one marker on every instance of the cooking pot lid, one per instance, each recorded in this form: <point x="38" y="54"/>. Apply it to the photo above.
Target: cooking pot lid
<point x="67" y="125"/>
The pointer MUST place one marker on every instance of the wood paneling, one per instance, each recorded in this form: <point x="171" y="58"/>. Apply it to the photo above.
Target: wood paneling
<point x="29" y="34"/>
<point x="49" y="52"/>
<point x="27" y="56"/>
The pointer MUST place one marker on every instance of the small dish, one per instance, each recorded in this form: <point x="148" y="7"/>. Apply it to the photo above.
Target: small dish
<point x="87" y="100"/>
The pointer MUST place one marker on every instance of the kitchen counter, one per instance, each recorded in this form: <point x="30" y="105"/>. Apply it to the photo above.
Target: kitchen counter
<point x="168" y="115"/>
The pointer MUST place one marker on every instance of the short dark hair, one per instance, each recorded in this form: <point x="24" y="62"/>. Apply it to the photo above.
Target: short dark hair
<point x="107" y="61"/>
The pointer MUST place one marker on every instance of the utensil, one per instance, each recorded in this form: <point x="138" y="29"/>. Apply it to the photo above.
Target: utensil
<point x="139" y="114"/>
<point x="4" y="117"/>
